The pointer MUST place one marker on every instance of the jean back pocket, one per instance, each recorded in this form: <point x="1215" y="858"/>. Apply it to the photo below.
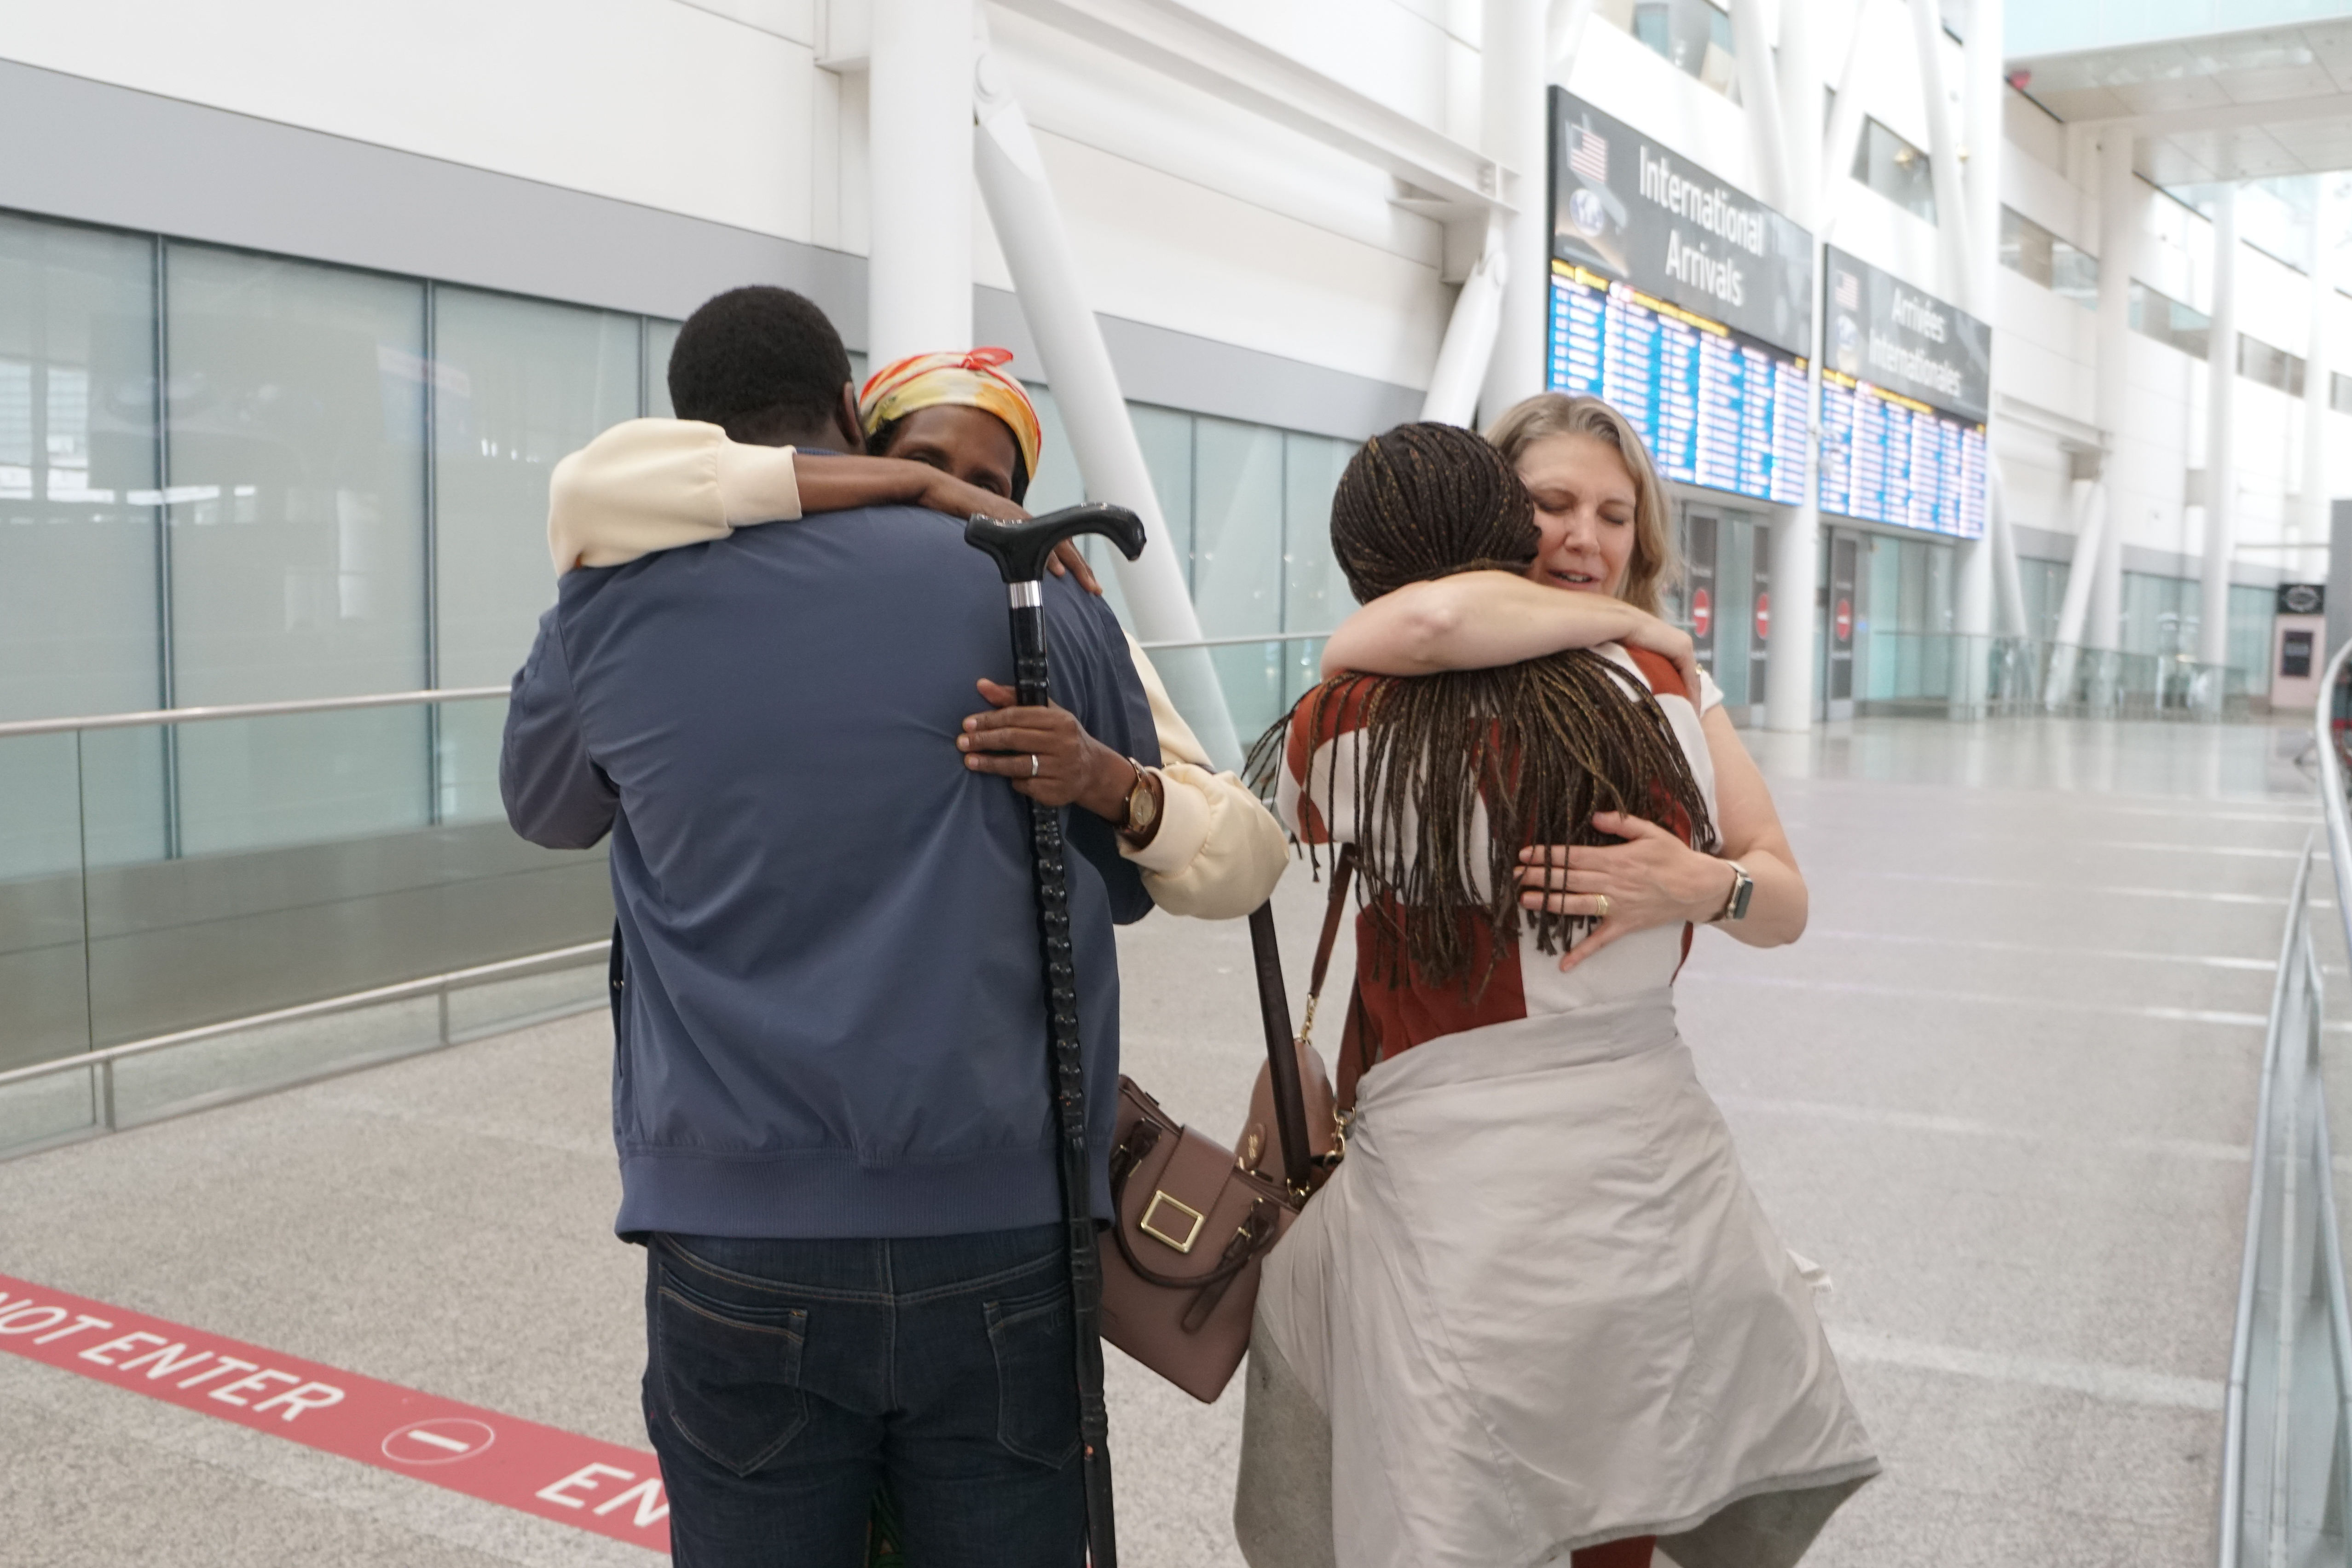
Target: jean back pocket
<point x="730" y="1371"/>
<point x="1034" y="1339"/>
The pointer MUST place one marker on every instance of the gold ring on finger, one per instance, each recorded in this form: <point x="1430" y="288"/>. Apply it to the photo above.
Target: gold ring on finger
<point x="1602" y="913"/>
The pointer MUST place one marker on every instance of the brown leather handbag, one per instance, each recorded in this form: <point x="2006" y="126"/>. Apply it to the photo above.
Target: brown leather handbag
<point x="1193" y="1224"/>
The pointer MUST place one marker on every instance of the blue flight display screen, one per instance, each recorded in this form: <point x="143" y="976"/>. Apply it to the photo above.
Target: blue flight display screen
<point x="1715" y="409"/>
<point x="1890" y="459"/>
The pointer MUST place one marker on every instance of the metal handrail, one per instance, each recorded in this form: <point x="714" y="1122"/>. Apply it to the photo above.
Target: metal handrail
<point x="2302" y="1511"/>
<point x="1236" y="641"/>
<point x="247" y="711"/>
<point x="351" y="1001"/>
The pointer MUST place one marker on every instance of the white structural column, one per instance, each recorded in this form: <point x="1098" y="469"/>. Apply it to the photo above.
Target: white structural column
<point x="1468" y="350"/>
<point x="1845" y="130"/>
<point x="2008" y="581"/>
<point x="1053" y="299"/>
<point x="2310" y="525"/>
<point x="1979" y="560"/>
<point x="1943" y="152"/>
<point x="2075" y="610"/>
<point x="1751" y="43"/>
<point x="918" y="273"/>
<point x="1792" y="662"/>
<point x="2221" y="442"/>
<point x="1514" y="61"/>
<point x="2123" y="207"/>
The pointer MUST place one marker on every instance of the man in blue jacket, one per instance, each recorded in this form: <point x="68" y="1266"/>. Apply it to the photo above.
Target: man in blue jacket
<point x="829" y="1090"/>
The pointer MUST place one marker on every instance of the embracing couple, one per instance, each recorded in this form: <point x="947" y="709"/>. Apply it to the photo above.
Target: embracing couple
<point x="781" y="681"/>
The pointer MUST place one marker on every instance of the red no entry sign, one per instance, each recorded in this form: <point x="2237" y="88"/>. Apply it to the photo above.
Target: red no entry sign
<point x="1763" y="617"/>
<point x="1844" y="619"/>
<point x="589" y="1485"/>
<point x="1702" y="612"/>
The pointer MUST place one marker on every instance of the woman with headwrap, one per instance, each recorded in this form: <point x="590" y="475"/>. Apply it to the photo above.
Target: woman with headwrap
<point x="1536" y="1314"/>
<point x="954" y="431"/>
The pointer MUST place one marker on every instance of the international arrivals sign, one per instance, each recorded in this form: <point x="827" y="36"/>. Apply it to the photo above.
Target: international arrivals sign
<point x="1627" y="207"/>
<point x="1682" y="301"/>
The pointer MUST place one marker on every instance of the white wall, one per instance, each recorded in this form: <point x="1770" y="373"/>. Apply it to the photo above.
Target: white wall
<point x="1187" y="213"/>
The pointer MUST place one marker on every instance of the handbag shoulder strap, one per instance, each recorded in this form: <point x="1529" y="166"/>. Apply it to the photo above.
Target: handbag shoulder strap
<point x="1273" y="1008"/>
<point x="1342" y="869"/>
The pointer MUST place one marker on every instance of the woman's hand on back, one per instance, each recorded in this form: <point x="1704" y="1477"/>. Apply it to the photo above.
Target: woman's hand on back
<point x="830" y="481"/>
<point x="1652" y="878"/>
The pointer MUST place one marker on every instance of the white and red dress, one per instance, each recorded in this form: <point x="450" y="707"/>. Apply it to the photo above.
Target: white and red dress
<point x="1536" y="1307"/>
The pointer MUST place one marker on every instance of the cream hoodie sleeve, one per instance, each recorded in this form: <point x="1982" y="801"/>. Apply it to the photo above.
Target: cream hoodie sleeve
<point x="654" y="484"/>
<point x="1219" y="852"/>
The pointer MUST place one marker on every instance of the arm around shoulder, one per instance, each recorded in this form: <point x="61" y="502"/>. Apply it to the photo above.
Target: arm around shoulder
<point x="1218" y="852"/>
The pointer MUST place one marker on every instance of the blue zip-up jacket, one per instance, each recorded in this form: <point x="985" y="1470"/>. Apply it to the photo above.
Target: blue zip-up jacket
<point x="833" y="1021"/>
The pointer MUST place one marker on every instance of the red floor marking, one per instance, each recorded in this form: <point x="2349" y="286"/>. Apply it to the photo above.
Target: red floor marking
<point x="597" y="1487"/>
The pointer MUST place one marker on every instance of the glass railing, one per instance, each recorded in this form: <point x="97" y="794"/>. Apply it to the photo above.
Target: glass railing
<point x="2286" y="1451"/>
<point x="203" y="903"/>
<point x="1970" y="675"/>
<point x="1891" y="672"/>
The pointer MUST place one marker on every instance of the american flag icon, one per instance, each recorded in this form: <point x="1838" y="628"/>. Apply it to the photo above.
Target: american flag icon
<point x="1587" y="154"/>
<point x="1849" y="292"/>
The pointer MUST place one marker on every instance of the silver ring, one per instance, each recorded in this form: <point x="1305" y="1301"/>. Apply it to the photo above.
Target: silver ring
<point x="1035" y="766"/>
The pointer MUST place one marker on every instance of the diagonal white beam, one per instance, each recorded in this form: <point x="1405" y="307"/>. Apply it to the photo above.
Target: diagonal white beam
<point x="1178" y="42"/>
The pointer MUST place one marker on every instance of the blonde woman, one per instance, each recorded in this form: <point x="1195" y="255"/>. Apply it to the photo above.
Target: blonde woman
<point x="1536" y="1316"/>
<point x="1607" y="554"/>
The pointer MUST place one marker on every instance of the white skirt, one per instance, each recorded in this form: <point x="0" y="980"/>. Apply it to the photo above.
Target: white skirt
<point x="1537" y="1308"/>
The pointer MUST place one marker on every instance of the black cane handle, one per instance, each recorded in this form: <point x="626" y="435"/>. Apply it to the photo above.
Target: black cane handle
<point x="1020" y="549"/>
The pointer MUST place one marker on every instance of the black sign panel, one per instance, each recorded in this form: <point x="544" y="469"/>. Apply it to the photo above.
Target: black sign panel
<point x="1883" y="331"/>
<point x="1625" y="207"/>
<point x="2301" y="598"/>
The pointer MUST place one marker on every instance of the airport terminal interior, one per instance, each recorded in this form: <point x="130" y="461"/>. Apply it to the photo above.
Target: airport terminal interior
<point x="1986" y="353"/>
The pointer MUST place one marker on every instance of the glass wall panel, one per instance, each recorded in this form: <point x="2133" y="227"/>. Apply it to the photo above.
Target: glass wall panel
<point x="76" y="471"/>
<point x="1895" y="169"/>
<point x="43" y="967"/>
<point x="1166" y="437"/>
<point x="1057" y="484"/>
<point x="660" y="338"/>
<point x="1315" y="594"/>
<point x="295" y="469"/>
<point x="77" y="518"/>
<point x="1237" y="506"/>
<point x="518" y="385"/>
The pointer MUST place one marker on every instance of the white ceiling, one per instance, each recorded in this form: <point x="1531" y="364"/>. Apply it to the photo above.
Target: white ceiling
<point x="2236" y="106"/>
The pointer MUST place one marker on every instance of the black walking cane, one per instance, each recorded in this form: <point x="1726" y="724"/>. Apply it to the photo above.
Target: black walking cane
<point x="1020" y="551"/>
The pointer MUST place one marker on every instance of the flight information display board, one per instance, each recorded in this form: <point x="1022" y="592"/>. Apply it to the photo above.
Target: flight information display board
<point x="1717" y="410"/>
<point x="1907" y="383"/>
<point x="1890" y="459"/>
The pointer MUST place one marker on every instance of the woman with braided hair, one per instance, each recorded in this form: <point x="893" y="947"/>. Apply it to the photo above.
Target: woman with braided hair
<point x="1535" y="1316"/>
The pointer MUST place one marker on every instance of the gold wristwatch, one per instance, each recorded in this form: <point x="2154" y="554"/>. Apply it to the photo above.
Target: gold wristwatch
<point x="1743" y="888"/>
<point x="1142" y="808"/>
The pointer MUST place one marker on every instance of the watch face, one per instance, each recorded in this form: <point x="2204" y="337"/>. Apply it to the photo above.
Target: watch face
<point x="1141" y="809"/>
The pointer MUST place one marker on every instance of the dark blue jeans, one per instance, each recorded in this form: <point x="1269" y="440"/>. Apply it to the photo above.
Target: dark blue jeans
<point x="786" y="1380"/>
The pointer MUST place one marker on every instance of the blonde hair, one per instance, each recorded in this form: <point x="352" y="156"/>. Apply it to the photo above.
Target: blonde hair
<point x="1656" y="564"/>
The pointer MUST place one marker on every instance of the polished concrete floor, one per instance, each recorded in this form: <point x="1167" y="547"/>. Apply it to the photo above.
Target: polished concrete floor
<point x="2003" y="1090"/>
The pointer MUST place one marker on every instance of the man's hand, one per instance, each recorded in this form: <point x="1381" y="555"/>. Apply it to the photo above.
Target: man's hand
<point x="1046" y="754"/>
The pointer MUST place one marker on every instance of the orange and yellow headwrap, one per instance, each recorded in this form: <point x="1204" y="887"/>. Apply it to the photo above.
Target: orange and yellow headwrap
<point x="969" y="380"/>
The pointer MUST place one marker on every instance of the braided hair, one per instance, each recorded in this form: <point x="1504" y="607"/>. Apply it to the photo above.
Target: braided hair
<point x="1538" y="747"/>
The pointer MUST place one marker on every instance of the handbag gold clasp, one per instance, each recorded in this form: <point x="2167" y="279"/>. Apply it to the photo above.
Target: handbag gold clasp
<point x="1178" y="1212"/>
